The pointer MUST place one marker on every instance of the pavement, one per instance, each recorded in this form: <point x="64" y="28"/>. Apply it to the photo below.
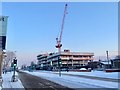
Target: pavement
<point x="8" y="84"/>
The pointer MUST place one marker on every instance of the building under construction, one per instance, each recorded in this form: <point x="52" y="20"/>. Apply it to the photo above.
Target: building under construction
<point x="67" y="59"/>
<point x="63" y="59"/>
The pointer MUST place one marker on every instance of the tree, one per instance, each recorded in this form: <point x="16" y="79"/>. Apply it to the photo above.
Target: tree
<point x="32" y="65"/>
<point x="24" y="66"/>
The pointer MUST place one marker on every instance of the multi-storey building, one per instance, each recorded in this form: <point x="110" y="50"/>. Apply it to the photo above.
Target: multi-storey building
<point x="42" y="60"/>
<point x="67" y="59"/>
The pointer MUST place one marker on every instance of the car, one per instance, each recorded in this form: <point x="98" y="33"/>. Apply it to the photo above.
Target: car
<point x="64" y="69"/>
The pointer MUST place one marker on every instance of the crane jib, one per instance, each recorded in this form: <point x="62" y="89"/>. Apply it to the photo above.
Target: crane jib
<point x="59" y="45"/>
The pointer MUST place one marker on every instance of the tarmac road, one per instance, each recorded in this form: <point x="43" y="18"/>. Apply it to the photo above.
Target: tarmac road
<point x="31" y="82"/>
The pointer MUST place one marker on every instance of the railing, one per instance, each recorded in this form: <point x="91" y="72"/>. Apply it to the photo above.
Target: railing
<point x="65" y="58"/>
<point x="77" y="53"/>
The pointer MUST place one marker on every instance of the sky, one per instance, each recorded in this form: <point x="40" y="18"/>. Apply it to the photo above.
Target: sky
<point x="33" y="27"/>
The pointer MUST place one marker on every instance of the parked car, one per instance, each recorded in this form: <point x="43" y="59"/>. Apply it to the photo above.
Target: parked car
<point x="64" y="69"/>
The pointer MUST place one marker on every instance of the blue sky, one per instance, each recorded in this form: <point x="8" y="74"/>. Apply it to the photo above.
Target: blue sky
<point x="33" y="27"/>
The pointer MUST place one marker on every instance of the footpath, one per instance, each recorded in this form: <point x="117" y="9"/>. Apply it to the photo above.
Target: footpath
<point x="7" y="81"/>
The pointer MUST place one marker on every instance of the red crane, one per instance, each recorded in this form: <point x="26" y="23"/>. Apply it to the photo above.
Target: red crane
<point x="59" y="45"/>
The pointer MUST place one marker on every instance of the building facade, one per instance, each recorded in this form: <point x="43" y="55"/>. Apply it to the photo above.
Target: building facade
<point x="42" y="61"/>
<point x="116" y="63"/>
<point x="66" y="59"/>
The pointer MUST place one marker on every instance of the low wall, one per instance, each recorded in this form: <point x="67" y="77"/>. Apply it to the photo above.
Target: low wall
<point x="112" y="70"/>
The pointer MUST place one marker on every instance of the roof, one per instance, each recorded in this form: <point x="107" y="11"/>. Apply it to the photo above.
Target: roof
<point x="106" y="62"/>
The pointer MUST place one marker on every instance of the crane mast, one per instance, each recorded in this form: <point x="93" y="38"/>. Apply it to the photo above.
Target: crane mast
<point x="59" y="45"/>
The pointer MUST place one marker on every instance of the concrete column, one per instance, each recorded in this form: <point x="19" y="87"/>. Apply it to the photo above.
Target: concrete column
<point x="72" y="62"/>
<point x="51" y="63"/>
<point x="83" y="62"/>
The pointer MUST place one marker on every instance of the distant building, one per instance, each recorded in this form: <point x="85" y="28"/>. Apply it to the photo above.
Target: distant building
<point x="68" y="59"/>
<point x="103" y="65"/>
<point x="115" y="63"/>
<point x="95" y="65"/>
<point x="106" y="64"/>
<point x="112" y="64"/>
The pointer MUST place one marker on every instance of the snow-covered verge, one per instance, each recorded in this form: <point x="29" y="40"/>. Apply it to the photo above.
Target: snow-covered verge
<point x="74" y="82"/>
<point x="7" y="81"/>
<point x="114" y="75"/>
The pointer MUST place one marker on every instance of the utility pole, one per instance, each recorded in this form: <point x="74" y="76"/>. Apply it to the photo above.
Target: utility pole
<point x="107" y="58"/>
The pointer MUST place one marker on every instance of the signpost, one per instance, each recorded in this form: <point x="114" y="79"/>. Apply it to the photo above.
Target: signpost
<point x="3" y="29"/>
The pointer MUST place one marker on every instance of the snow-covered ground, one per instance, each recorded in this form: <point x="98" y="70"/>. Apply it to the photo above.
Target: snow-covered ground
<point x="7" y="81"/>
<point x="75" y="82"/>
<point x="114" y="75"/>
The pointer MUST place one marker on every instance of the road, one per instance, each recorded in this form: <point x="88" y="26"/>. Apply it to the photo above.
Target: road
<point x="75" y="82"/>
<point x="31" y="82"/>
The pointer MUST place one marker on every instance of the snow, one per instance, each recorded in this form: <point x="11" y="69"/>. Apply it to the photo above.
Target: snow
<point x="7" y="81"/>
<point x="74" y="82"/>
<point x="114" y="75"/>
<point x="106" y="62"/>
<point x="68" y="81"/>
<point x="83" y="69"/>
